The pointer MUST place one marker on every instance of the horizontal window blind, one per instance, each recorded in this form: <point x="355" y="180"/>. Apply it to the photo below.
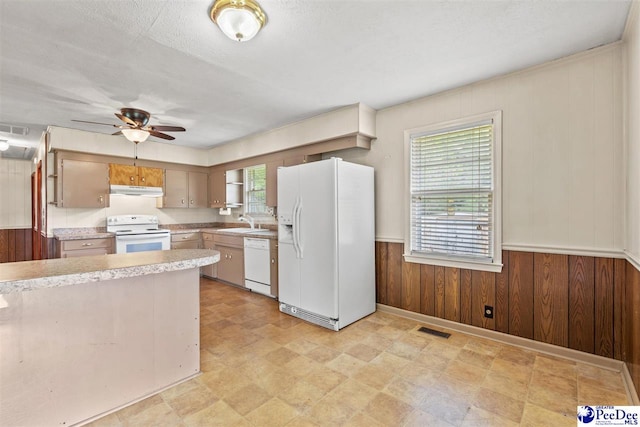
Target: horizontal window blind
<point x="452" y="192"/>
<point x="255" y="195"/>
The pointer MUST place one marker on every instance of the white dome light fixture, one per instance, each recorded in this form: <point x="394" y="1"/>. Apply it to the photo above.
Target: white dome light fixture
<point x="4" y="145"/>
<point x="135" y="135"/>
<point x="238" y="19"/>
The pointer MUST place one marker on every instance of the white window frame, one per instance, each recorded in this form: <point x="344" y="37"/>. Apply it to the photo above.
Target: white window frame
<point x="495" y="264"/>
<point x="247" y="189"/>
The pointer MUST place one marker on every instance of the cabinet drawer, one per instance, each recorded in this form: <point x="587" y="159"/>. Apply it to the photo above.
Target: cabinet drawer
<point x="187" y="244"/>
<point x="86" y="252"/>
<point x="181" y="237"/>
<point x="71" y="245"/>
<point x="207" y="236"/>
<point x="237" y="241"/>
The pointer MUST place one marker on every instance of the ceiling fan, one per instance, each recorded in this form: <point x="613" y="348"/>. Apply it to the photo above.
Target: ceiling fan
<point x="136" y="128"/>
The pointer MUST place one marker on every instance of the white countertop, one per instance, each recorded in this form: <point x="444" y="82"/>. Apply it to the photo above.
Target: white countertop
<point x="32" y="275"/>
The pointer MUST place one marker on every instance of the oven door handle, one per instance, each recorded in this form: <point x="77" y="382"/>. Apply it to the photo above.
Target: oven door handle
<point x="142" y="237"/>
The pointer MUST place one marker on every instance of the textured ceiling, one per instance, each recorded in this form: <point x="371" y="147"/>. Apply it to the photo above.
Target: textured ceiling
<point x="85" y="59"/>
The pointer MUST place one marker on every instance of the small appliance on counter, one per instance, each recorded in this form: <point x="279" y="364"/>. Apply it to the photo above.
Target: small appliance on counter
<point x="138" y="233"/>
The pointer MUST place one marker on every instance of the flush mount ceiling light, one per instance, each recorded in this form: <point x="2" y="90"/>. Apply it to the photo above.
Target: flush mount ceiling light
<point x="238" y="19"/>
<point x="135" y="135"/>
<point x="4" y="145"/>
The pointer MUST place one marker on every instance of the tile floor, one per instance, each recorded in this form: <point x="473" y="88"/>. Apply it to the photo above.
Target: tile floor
<point x="264" y="368"/>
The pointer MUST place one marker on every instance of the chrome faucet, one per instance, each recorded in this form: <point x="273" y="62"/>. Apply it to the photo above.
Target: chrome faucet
<point x="247" y="219"/>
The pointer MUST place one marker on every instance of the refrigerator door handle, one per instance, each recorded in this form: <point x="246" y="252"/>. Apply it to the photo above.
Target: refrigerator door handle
<point x="299" y="221"/>
<point x="295" y="227"/>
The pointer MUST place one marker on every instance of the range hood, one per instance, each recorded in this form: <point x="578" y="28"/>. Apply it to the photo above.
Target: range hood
<point x="134" y="190"/>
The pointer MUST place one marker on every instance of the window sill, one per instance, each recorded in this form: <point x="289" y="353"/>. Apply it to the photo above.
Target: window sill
<point x="448" y="262"/>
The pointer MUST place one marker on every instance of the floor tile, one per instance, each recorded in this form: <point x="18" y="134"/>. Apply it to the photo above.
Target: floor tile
<point x="261" y="367"/>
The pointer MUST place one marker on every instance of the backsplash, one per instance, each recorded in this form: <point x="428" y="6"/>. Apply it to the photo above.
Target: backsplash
<point x="127" y="205"/>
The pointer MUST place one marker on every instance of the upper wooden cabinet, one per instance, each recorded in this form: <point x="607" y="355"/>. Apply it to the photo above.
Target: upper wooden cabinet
<point x="135" y="175"/>
<point x="82" y="184"/>
<point x="218" y="187"/>
<point x="271" y="198"/>
<point x="198" y="190"/>
<point x="184" y="189"/>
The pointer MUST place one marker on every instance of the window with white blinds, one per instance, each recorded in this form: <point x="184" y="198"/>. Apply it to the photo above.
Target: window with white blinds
<point x="255" y="182"/>
<point x="452" y="192"/>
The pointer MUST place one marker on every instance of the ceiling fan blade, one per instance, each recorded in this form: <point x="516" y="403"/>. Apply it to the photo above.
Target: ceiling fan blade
<point x="168" y="128"/>
<point x="117" y="133"/>
<point x="160" y="135"/>
<point x="126" y="119"/>
<point x="95" y="123"/>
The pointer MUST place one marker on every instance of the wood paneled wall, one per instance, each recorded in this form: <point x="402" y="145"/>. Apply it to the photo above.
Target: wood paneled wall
<point x="630" y="312"/>
<point x="566" y="300"/>
<point x="15" y="245"/>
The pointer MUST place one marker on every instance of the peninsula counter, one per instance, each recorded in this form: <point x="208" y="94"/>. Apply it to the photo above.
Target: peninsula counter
<point x="81" y="337"/>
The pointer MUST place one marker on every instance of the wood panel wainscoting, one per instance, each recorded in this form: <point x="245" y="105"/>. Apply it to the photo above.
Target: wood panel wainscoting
<point x="15" y="245"/>
<point x="586" y="303"/>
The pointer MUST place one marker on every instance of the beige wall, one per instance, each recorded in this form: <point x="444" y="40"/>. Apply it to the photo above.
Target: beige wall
<point x="15" y="193"/>
<point x="562" y="151"/>
<point x="632" y="127"/>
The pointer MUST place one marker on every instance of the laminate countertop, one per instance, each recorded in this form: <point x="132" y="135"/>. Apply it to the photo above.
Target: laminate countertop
<point x="33" y="275"/>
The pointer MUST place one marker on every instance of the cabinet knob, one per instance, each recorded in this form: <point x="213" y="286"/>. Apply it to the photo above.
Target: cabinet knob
<point x="142" y="179"/>
<point x="182" y="201"/>
<point x="191" y="201"/>
<point x="100" y="199"/>
<point x="132" y="178"/>
<point x="87" y="244"/>
<point x="273" y="260"/>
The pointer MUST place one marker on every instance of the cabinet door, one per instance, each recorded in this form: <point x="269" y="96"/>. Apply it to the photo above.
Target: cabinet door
<point x="175" y="189"/>
<point x="198" y="190"/>
<point x="150" y="177"/>
<point x="123" y="174"/>
<point x="272" y="183"/>
<point x="84" y="184"/>
<point x="298" y="160"/>
<point x="218" y="187"/>
<point x="231" y="265"/>
<point x="210" y="270"/>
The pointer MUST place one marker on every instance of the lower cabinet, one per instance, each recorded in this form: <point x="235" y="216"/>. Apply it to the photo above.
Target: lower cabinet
<point x="231" y="264"/>
<point x="186" y="241"/>
<point x="210" y="270"/>
<point x="85" y="247"/>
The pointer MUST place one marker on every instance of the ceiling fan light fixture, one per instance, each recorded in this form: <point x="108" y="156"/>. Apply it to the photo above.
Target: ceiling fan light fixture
<point x="238" y="19"/>
<point x="135" y="135"/>
<point x="4" y="145"/>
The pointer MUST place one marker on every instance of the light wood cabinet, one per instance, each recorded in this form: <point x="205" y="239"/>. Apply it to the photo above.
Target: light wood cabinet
<point x="271" y="196"/>
<point x="231" y="265"/>
<point x="85" y="247"/>
<point x="218" y="187"/>
<point x="198" y="190"/>
<point x="184" y="189"/>
<point x="135" y="175"/>
<point x="210" y="270"/>
<point x="186" y="241"/>
<point x="303" y="158"/>
<point x="82" y="184"/>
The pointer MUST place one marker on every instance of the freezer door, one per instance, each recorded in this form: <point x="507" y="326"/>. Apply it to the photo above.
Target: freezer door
<point x="288" y="262"/>
<point x="317" y="239"/>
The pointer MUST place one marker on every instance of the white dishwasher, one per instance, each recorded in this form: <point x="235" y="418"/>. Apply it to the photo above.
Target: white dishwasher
<point x="257" y="265"/>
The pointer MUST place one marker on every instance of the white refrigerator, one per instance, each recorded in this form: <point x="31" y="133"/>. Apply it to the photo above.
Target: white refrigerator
<point x="326" y="242"/>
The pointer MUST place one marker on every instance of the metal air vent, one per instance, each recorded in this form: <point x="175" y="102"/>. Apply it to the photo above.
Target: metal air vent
<point x="14" y="130"/>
